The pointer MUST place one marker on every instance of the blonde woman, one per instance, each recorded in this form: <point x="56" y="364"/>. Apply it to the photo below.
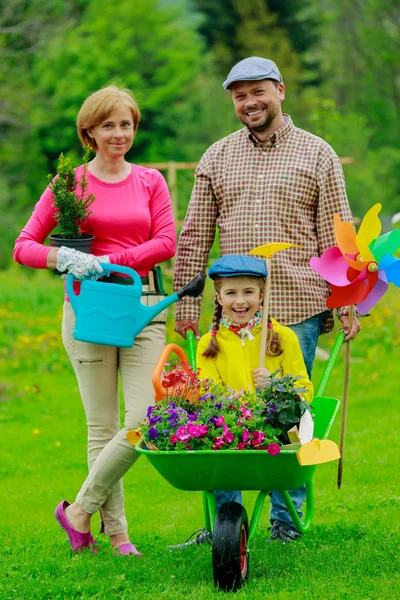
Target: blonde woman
<point x="133" y="226"/>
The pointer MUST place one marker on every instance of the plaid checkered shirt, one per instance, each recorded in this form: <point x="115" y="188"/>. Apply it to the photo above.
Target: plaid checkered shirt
<point x="285" y="190"/>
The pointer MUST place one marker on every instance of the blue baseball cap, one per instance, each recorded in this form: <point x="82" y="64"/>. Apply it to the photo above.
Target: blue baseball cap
<point x="254" y="68"/>
<point x="234" y="265"/>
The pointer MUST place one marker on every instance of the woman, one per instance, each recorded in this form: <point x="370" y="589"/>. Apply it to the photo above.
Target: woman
<point x="133" y="226"/>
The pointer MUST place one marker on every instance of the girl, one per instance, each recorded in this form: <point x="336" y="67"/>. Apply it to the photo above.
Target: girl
<point x="230" y="353"/>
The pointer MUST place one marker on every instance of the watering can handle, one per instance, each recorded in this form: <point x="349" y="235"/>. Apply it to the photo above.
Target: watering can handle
<point x="110" y="268"/>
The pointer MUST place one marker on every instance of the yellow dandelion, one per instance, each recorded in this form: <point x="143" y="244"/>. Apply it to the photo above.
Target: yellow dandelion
<point x="36" y="431"/>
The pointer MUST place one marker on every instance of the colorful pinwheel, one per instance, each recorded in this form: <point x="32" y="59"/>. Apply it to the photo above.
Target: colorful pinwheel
<point x="361" y="266"/>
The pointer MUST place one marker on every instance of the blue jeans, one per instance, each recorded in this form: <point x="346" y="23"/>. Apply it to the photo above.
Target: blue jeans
<point x="308" y="333"/>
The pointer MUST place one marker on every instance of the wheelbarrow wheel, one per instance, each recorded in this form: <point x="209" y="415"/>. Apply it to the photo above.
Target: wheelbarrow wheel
<point x="229" y="550"/>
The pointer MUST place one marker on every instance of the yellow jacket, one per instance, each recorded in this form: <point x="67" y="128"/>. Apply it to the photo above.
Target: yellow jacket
<point x="238" y="358"/>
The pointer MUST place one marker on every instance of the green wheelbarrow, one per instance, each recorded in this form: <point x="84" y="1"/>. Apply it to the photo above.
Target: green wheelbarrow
<point x="207" y="471"/>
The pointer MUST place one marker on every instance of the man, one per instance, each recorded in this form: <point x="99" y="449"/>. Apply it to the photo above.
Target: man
<point x="268" y="182"/>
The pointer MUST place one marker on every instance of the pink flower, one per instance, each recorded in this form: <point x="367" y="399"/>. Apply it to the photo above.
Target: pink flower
<point x="220" y="421"/>
<point x="239" y="422"/>
<point x="240" y="446"/>
<point x="219" y="442"/>
<point x="258" y="437"/>
<point x="273" y="448"/>
<point x="246" y="412"/>
<point x="184" y="438"/>
<point x="203" y="430"/>
<point x="174" y="438"/>
<point x="181" y="430"/>
<point x="188" y="447"/>
<point x="194" y="431"/>
<point x="228" y="437"/>
<point x="245" y="435"/>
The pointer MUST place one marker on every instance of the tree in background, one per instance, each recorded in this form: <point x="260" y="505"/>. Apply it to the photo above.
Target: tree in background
<point x="26" y="26"/>
<point x="235" y="29"/>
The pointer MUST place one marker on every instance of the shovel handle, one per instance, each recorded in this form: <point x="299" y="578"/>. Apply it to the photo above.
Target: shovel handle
<point x="191" y="347"/>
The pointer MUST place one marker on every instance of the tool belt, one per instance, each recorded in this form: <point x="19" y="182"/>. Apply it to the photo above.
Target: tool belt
<point x="152" y="295"/>
<point x="154" y="280"/>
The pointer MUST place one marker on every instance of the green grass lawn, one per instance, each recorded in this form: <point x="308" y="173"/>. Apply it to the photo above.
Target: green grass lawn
<point x="351" y="550"/>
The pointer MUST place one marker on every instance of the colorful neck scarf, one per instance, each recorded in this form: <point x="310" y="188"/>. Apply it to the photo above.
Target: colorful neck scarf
<point x="242" y="331"/>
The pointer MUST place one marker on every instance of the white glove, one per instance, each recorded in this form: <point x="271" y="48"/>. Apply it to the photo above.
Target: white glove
<point x="81" y="265"/>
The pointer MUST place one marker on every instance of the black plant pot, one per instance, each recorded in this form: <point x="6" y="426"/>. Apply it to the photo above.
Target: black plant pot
<point x="83" y="244"/>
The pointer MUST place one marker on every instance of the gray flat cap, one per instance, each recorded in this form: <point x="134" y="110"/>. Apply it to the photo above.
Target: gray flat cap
<point x="253" y="69"/>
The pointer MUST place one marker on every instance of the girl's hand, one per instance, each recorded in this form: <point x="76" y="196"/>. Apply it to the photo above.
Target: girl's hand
<point x="260" y="377"/>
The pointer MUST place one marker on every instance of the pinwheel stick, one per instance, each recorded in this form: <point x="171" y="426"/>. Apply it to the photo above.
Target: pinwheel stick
<point x="345" y="402"/>
<point x="267" y="251"/>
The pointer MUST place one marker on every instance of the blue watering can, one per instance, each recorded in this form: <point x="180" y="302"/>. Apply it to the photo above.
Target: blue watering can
<point x="112" y="314"/>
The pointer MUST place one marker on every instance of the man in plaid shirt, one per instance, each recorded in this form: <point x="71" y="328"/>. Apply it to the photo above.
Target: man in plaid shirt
<point x="268" y="182"/>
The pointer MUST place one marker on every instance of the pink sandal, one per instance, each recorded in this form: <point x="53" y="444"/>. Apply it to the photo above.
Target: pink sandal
<point x="126" y="549"/>
<point x="77" y="539"/>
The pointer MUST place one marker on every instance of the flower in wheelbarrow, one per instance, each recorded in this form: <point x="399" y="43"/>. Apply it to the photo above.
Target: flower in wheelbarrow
<point x="153" y="433"/>
<point x="219" y="443"/>
<point x="273" y="449"/>
<point x="361" y="266"/>
<point x="227" y="436"/>
<point x="245" y="435"/>
<point x="196" y="431"/>
<point x="258" y="437"/>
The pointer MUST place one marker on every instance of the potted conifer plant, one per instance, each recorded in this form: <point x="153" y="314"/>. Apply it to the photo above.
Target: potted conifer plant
<point x="72" y="204"/>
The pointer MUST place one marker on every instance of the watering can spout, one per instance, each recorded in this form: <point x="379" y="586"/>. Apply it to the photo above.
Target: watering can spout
<point x="194" y="287"/>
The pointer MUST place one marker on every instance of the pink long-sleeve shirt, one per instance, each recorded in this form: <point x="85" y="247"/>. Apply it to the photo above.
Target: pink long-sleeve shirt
<point x="132" y="221"/>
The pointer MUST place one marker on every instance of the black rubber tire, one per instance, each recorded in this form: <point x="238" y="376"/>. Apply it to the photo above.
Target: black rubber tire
<point x="230" y="556"/>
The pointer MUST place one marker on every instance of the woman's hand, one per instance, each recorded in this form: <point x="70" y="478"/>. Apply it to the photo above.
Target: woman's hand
<point x="81" y="265"/>
<point x="260" y="377"/>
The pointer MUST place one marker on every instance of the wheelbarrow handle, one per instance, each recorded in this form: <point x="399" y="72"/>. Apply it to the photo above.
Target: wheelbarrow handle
<point x="330" y="364"/>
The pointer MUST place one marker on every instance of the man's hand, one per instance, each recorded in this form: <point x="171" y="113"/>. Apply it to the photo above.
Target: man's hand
<point x="182" y="327"/>
<point x="260" y="377"/>
<point x="350" y="332"/>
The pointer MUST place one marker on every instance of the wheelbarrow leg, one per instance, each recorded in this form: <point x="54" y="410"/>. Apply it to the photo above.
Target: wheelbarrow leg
<point x="209" y="510"/>
<point x="300" y="526"/>
<point x="255" y="518"/>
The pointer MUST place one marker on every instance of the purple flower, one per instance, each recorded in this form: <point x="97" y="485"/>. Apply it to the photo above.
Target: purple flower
<point x="193" y="417"/>
<point x="172" y="422"/>
<point x="154" y="420"/>
<point x="166" y="431"/>
<point x="149" y="411"/>
<point x="212" y="420"/>
<point x="218" y="405"/>
<point x="153" y="433"/>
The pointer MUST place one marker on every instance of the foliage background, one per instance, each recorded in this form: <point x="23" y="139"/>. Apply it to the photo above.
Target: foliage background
<point x="339" y="59"/>
<point x="340" y="62"/>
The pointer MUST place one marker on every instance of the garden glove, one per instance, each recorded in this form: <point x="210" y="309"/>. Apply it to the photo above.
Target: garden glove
<point x="81" y="265"/>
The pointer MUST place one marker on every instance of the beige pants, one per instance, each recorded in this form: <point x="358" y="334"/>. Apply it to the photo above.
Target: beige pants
<point x="110" y="455"/>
